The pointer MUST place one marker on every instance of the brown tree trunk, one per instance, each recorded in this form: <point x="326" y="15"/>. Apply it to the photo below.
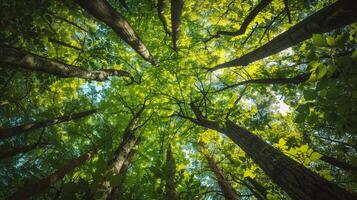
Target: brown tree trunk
<point x="117" y="162"/>
<point x="16" y="57"/>
<point x="338" y="163"/>
<point x="297" y="181"/>
<point x="104" y="12"/>
<point x="258" y="187"/>
<point x="170" y="170"/>
<point x="13" y="131"/>
<point x="118" y="190"/>
<point x="161" y="13"/>
<point x="176" y="11"/>
<point x="42" y="185"/>
<point x="337" y="15"/>
<point x="7" y="153"/>
<point x="226" y="187"/>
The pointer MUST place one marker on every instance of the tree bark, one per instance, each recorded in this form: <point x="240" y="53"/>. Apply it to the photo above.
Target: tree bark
<point x="297" y="181"/>
<point x="7" y="153"/>
<point x="118" y="190"/>
<point x="117" y="162"/>
<point x="28" y="191"/>
<point x="161" y="12"/>
<point x="338" y="163"/>
<point x="104" y="12"/>
<point x="258" y="187"/>
<point x="170" y="170"/>
<point x="13" y="131"/>
<point x="176" y="11"/>
<point x="26" y="60"/>
<point x="226" y="187"/>
<point x="337" y="15"/>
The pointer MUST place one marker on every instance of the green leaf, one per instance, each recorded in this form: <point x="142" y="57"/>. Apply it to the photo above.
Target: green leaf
<point x="319" y="40"/>
<point x="310" y="94"/>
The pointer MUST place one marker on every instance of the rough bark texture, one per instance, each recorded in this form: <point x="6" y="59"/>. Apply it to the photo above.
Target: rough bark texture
<point x="296" y="180"/>
<point x="117" y="190"/>
<point x="13" y="131"/>
<point x="226" y="187"/>
<point x="161" y="14"/>
<point x="117" y="162"/>
<point x="27" y="191"/>
<point x="176" y="11"/>
<point x="340" y="164"/>
<point x="104" y="12"/>
<point x="277" y="81"/>
<point x="15" y="57"/>
<point x="7" y="153"/>
<point x="170" y="170"/>
<point x="337" y="15"/>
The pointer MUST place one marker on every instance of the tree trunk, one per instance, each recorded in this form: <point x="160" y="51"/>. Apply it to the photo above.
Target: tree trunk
<point x="297" y="181"/>
<point x="337" y="163"/>
<point x="161" y="12"/>
<point x="118" y="190"/>
<point x="42" y="185"/>
<point x="13" y="131"/>
<point x="116" y="164"/>
<point x="337" y="15"/>
<point x="176" y="11"/>
<point x="170" y="170"/>
<point x="7" y="153"/>
<point x="226" y="187"/>
<point x="104" y="12"/>
<point x="258" y="187"/>
<point x="26" y="60"/>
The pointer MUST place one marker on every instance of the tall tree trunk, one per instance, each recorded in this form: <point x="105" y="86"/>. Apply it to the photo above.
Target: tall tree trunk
<point x="118" y="189"/>
<point x="338" y="163"/>
<point x="337" y="15"/>
<point x="117" y="162"/>
<point x="26" y="60"/>
<point x="258" y="187"/>
<point x="297" y="181"/>
<point x="27" y="191"/>
<point x="13" y="131"/>
<point x="176" y="11"/>
<point x="170" y="170"/>
<point x="226" y="187"/>
<point x="104" y="12"/>
<point x="7" y="153"/>
<point x="161" y="12"/>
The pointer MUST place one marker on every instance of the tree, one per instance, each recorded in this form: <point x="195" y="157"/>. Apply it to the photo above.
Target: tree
<point x="170" y="168"/>
<point x="222" y="180"/>
<point x="284" y="171"/>
<point x="176" y="11"/>
<point x="42" y="185"/>
<point x="102" y="10"/>
<point x="331" y="17"/>
<point x="23" y="59"/>
<point x="17" y="130"/>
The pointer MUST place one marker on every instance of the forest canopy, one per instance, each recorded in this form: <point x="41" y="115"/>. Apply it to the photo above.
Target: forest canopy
<point x="178" y="99"/>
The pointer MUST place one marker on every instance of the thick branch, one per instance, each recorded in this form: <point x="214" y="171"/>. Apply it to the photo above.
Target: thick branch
<point x="26" y="60"/>
<point x="337" y="15"/>
<point x="104" y="12"/>
<point x="160" y="12"/>
<point x="176" y="11"/>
